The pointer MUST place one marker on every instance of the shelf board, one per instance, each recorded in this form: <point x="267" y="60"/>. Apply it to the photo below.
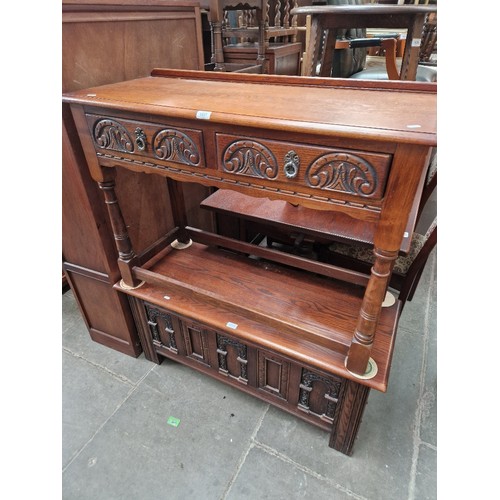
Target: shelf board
<point x="296" y="314"/>
<point x="323" y="225"/>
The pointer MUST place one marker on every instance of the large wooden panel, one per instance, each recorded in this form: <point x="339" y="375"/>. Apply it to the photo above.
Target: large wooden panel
<point x="101" y="48"/>
<point x="105" y="42"/>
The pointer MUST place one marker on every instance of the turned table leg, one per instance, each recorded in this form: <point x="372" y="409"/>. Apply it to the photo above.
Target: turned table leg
<point x="126" y="255"/>
<point x="359" y="351"/>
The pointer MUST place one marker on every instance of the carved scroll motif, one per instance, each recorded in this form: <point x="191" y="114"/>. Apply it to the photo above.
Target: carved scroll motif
<point x="173" y="145"/>
<point x="109" y="134"/>
<point x="222" y="342"/>
<point x="308" y="378"/>
<point x="342" y="172"/>
<point x="153" y="314"/>
<point x="250" y="158"/>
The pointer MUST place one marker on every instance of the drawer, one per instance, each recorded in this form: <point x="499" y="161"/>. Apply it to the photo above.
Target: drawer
<point x="301" y="168"/>
<point x="162" y="144"/>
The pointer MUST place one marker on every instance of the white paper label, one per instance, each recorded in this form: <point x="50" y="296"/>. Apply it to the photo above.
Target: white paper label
<point x="416" y="42"/>
<point x="231" y="325"/>
<point x="203" y="115"/>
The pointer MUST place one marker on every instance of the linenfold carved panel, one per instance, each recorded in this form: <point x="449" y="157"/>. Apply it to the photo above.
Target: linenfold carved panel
<point x="343" y="172"/>
<point x="196" y="341"/>
<point x="273" y="374"/>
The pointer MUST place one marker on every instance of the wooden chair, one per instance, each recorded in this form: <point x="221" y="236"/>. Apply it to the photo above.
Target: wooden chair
<point x="256" y="22"/>
<point x="219" y="31"/>
<point x="329" y="24"/>
<point x="382" y="65"/>
<point x="407" y="268"/>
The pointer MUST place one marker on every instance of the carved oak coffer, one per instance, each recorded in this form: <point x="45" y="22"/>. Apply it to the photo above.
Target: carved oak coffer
<point x="301" y="390"/>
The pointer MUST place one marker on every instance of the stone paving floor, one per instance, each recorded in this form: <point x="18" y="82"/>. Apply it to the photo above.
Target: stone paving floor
<point x="116" y="443"/>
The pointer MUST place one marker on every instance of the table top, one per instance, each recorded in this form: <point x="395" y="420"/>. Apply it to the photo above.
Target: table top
<point x="294" y="104"/>
<point x="364" y="9"/>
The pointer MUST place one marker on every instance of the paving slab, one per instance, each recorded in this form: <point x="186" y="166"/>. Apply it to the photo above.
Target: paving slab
<point x="266" y="475"/>
<point x="90" y="396"/>
<point x="138" y="455"/>
<point x="425" y="481"/>
<point x="428" y="424"/>
<point x="76" y="340"/>
<point x="381" y="464"/>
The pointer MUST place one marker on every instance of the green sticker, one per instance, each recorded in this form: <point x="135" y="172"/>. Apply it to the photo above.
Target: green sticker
<point x="173" y="421"/>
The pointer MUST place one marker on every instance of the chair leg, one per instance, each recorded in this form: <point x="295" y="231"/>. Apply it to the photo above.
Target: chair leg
<point x="410" y="285"/>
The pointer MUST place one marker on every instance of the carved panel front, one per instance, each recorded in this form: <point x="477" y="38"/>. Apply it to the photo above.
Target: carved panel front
<point x="305" y="171"/>
<point x="319" y="394"/>
<point x="273" y="374"/>
<point x="232" y="357"/>
<point x="250" y="158"/>
<point x="161" y="328"/>
<point x="111" y="134"/>
<point x="343" y="172"/>
<point x="174" y="145"/>
<point x="155" y="143"/>
<point x="196" y="342"/>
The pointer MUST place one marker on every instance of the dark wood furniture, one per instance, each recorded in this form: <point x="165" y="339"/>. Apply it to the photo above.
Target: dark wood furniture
<point x="280" y="58"/>
<point x="256" y="21"/>
<point x="326" y="21"/>
<point x="255" y="32"/>
<point x="306" y="336"/>
<point x="105" y="42"/>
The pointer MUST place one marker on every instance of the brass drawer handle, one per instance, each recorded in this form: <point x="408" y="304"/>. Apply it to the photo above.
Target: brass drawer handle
<point x="292" y="163"/>
<point x="140" y="139"/>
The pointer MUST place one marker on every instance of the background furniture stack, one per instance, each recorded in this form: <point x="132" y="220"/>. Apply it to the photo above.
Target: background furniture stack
<point x="105" y="42"/>
<point x="255" y="36"/>
<point x="328" y="24"/>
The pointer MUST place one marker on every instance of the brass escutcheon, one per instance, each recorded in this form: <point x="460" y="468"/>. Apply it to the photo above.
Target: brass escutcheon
<point x="140" y="139"/>
<point x="292" y="162"/>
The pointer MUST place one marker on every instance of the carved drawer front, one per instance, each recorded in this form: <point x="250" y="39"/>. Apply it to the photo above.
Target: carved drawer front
<point x="303" y="169"/>
<point x="161" y="326"/>
<point x="196" y="342"/>
<point x="147" y="142"/>
<point x="232" y="358"/>
<point x="273" y="374"/>
<point x="319" y="394"/>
